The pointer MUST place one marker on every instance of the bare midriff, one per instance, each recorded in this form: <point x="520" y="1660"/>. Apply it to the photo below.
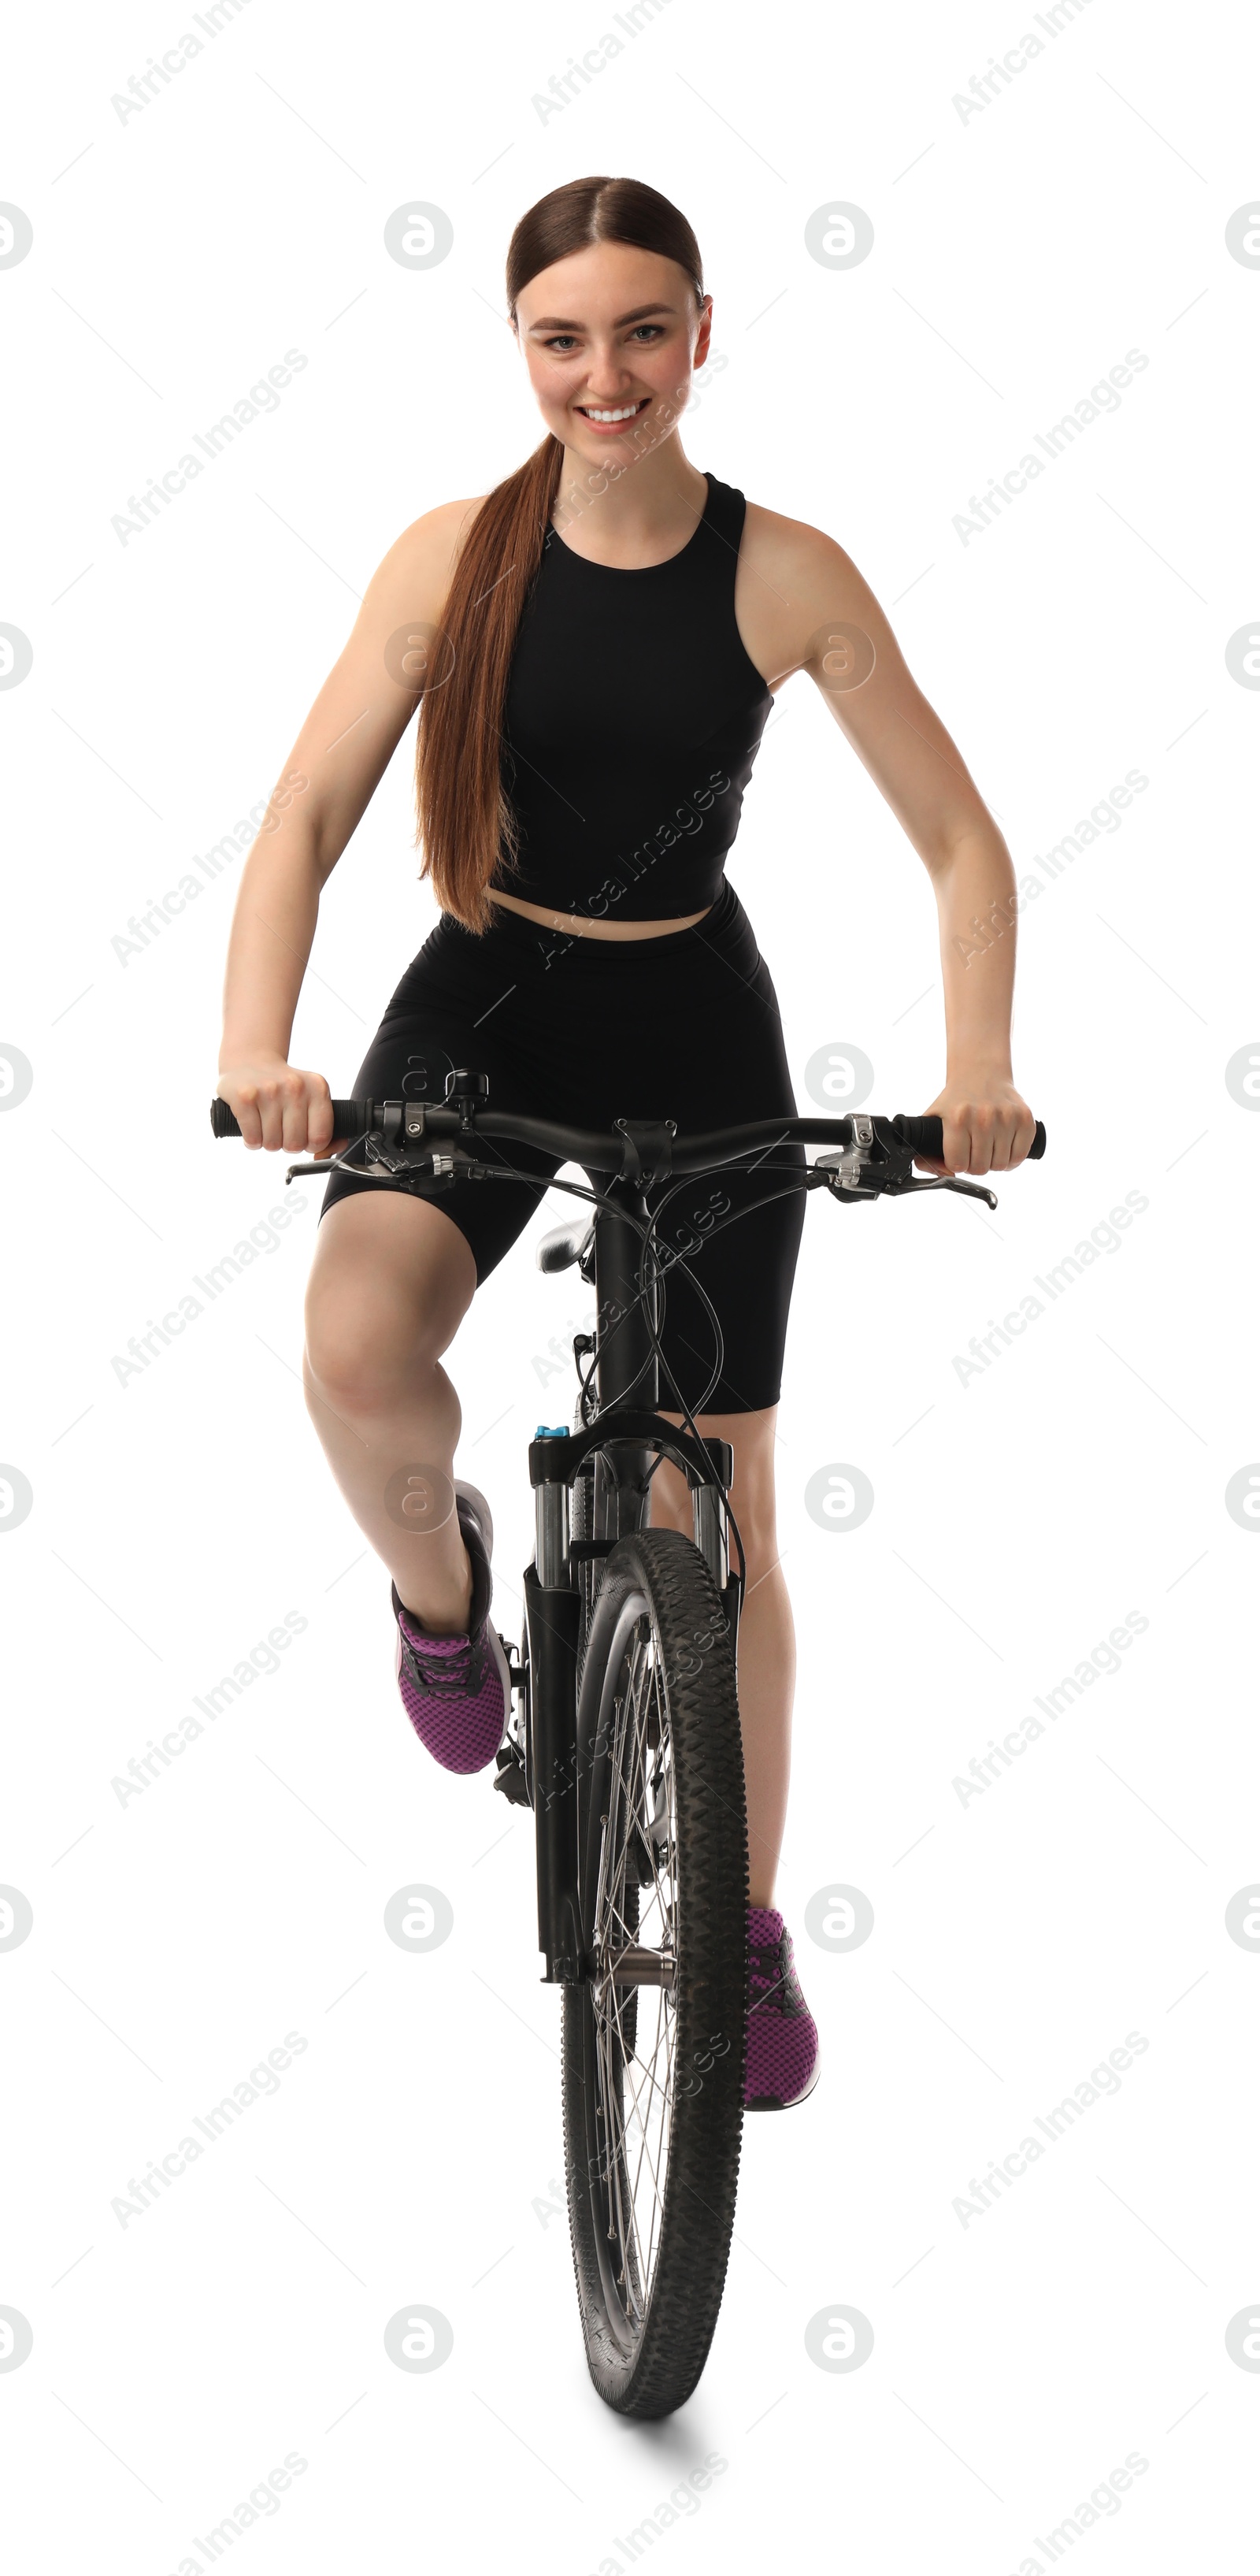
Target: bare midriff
<point x="580" y="925"/>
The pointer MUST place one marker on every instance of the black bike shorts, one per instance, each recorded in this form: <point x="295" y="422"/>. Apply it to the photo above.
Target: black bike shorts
<point x="684" y="1026"/>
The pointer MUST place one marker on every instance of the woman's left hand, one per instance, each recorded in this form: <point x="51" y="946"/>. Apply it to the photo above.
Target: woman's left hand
<point x="988" y="1127"/>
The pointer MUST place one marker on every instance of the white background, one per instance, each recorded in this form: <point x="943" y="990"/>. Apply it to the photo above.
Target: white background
<point x="409" y="2152"/>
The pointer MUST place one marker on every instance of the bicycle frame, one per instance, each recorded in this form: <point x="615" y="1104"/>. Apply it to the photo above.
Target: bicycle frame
<point x="870" y="1157"/>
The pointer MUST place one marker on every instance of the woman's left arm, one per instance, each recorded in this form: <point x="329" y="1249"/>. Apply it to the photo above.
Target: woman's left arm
<point x="988" y="1126"/>
<point x="825" y="619"/>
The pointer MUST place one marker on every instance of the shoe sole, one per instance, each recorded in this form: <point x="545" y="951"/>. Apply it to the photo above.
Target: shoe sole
<point x="767" y="2102"/>
<point x="481" y="1513"/>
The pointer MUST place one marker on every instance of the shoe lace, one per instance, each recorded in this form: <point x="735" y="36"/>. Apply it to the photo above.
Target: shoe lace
<point x="772" y="1968"/>
<point x="765" y="1970"/>
<point x="447" y="1676"/>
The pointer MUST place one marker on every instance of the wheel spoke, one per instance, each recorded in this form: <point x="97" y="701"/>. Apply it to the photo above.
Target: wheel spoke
<point x="658" y="2195"/>
<point x="636" y="2086"/>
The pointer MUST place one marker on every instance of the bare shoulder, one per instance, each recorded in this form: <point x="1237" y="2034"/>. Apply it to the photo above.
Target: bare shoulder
<point x="416" y="573"/>
<point x="799" y="557"/>
<point x="794" y="580"/>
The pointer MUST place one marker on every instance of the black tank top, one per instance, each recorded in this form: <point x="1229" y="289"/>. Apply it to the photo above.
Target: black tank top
<point x="631" y="723"/>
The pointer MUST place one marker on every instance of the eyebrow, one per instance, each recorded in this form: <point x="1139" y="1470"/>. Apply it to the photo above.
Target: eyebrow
<point x="640" y="314"/>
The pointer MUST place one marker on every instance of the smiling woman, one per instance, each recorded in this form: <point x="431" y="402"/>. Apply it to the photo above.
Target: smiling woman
<point x="594" y="647"/>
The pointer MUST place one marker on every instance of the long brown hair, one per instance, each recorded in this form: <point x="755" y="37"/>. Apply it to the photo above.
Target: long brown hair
<point x="464" y="814"/>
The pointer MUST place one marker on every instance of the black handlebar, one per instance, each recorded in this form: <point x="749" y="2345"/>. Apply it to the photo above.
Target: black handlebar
<point x="605" y="1150"/>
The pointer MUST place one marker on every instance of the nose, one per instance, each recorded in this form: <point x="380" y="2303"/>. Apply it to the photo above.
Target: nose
<point x="619" y="375"/>
<point x="622" y="390"/>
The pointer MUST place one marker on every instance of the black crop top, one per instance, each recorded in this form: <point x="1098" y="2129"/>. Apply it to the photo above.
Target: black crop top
<point x="631" y="723"/>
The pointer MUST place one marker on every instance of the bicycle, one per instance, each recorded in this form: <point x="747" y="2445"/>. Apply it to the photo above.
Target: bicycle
<point x="624" y="1735"/>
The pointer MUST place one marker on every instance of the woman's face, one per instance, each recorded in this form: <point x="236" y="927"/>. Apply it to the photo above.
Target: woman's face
<point x="611" y="330"/>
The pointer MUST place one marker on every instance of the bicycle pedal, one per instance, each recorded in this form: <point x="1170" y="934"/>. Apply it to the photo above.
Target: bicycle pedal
<point x="510" y="1775"/>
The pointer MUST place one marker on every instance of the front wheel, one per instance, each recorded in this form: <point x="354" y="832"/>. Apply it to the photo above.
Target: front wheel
<point x="654" y="2036"/>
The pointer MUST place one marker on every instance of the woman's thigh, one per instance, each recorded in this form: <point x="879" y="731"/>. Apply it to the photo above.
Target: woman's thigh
<point x="391" y="1281"/>
<point x="453" y="1007"/>
<point x="729" y="1239"/>
<point x="728" y="1292"/>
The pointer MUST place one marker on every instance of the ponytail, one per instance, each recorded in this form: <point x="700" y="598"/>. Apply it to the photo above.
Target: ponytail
<point x="465" y="817"/>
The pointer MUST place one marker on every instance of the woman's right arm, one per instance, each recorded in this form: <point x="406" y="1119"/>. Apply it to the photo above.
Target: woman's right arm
<point x="335" y="765"/>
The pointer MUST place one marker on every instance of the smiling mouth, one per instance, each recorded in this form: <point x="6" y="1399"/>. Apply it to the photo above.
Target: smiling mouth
<point x="613" y="417"/>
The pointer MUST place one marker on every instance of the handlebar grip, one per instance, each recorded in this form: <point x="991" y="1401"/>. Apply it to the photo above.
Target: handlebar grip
<point x="347" y="1120"/>
<point x="925" y="1136"/>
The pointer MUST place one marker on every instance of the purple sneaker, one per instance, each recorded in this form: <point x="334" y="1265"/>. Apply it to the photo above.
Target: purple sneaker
<point x="782" y="2034"/>
<point x="457" y="1690"/>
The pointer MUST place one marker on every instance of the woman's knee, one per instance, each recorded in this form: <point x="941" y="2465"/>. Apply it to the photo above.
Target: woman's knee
<point x="362" y="1352"/>
<point x="754" y="1511"/>
<point x="752" y="1494"/>
<point x="377" y="1321"/>
<point x="752" y="1486"/>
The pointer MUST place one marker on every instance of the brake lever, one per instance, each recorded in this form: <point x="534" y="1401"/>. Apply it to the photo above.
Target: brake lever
<point x="384" y="1162"/>
<point x="944" y="1181"/>
<point x="330" y="1163"/>
<point x="855" y="1173"/>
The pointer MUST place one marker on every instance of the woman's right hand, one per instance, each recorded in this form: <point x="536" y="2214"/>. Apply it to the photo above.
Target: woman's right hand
<point x="276" y="1105"/>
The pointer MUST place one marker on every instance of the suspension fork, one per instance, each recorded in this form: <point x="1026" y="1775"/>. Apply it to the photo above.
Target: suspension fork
<point x="553" y="1600"/>
<point x="627" y="1380"/>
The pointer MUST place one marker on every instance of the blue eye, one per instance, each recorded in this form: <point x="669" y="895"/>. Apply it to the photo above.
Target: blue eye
<point x="563" y="341"/>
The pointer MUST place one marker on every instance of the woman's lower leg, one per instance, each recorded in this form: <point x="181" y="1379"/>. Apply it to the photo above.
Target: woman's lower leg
<point x="390" y="1283"/>
<point x="767" y="1639"/>
<point x="767" y="1674"/>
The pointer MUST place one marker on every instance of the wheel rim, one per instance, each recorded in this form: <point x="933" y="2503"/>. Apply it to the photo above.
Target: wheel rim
<point x="635" y="1907"/>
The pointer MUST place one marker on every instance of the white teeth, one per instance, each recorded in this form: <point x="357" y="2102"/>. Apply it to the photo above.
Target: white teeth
<point x="627" y="412"/>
